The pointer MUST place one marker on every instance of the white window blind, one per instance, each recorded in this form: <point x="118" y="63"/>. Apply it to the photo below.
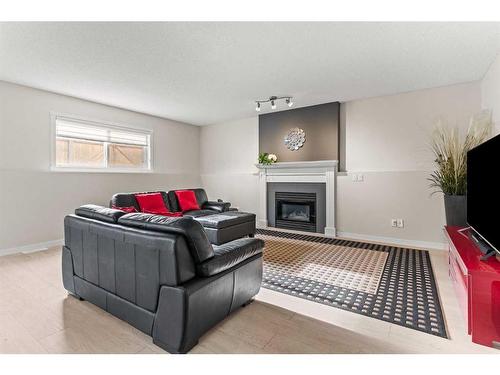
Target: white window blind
<point x="89" y="144"/>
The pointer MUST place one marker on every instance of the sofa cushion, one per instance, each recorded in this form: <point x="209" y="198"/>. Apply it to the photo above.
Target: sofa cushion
<point x="187" y="200"/>
<point x="101" y="213"/>
<point x="128" y="199"/>
<point x="198" y="213"/>
<point x="200" y="247"/>
<point x="124" y="200"/>
<point x="229" y="255"/>
<point x="152" y="203"/>
<point x="127" y="210"/>
<point x="201" y="198"/>
<point x="225" y="219"/>
<point x="217" y="206"/>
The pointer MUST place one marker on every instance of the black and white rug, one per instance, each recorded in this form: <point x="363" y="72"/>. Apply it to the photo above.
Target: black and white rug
<point x="389" y="283"/>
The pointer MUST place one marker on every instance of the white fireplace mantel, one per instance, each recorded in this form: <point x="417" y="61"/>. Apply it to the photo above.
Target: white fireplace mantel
<point x="322" y="171"/>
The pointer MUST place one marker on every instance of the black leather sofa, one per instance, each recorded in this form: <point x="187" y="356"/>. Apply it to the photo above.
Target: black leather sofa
<point x="222" y="224"/>
<point x="206" y="207"/>
<point x="160" y="274"/>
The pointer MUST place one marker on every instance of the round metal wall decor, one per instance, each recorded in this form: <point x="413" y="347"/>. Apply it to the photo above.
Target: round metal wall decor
<point x="295" y="139"/>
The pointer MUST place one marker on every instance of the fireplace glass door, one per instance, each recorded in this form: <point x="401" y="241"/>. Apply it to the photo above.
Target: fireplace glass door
<point x="296" y="211"/>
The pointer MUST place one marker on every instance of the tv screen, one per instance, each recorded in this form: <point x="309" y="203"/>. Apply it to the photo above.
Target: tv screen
<point x="483" y="191"/>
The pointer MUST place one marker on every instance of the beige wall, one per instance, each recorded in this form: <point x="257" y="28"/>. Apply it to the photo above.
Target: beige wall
<point x="391" y="133"/>
<point x="490" y="92"/>
<point x="35" y="200"/>
<point x="228" y="156"/>
<point x="385" y="140"/>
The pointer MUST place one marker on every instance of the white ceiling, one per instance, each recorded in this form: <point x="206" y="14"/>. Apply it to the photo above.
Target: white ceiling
<point x="204" y="73"/>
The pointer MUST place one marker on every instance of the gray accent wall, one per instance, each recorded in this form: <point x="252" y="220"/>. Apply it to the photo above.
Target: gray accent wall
<point x="320" y="124"/>
<point x="302" y="187"/>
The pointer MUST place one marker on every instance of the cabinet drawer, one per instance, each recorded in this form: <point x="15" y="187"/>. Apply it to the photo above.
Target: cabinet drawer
<point x="453" y="253"/>
<point x="460" y="283"/>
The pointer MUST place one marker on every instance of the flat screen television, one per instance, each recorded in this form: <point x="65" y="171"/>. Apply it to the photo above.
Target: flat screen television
<point x="483" y="191"/>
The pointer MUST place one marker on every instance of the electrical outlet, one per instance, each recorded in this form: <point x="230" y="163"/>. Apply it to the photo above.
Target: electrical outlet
<point x="400" y="223"/>
<point x="354" y="177"/>
<point x="360" y="178"/>
<point x="394" y="222"/>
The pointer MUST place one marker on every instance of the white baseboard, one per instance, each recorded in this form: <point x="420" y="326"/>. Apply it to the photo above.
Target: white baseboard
<point x="25" y="249"/>
<point x="261" y="223"/>
<point x="394" y="241"/>
<point x="364" y="237"/>
<point x="330" y="232"/>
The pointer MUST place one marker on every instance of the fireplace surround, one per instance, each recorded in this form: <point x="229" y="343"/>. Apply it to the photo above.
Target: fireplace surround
<point x="321" y="173"/>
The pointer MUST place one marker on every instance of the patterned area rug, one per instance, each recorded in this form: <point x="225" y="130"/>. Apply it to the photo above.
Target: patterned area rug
<point x="389" y="283"/>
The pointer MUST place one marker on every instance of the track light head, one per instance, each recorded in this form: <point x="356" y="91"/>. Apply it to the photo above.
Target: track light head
<point x="273" y="100"/>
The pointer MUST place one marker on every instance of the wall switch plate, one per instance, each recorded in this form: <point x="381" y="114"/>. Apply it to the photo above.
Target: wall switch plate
<point x="400" y="223"/>
<point x="357" y="177"/>
<point x="394" y="222"/>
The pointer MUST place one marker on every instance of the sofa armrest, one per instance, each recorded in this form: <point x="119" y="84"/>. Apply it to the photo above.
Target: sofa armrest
<point x="196" y="237"/>
<point x="216" y="206"/>
<point x="229" y="255"/>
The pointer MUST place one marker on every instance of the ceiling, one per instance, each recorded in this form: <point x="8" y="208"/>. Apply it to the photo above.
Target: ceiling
<point x="204" y="73"/>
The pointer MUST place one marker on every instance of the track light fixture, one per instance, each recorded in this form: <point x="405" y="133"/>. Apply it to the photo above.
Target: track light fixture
<point x="273" y="100"/>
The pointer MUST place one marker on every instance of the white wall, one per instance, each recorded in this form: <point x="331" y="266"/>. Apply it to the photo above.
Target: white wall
<point x="490" y="92"/>
<point x="34" y="200"/>
<point x="385" y="139"/>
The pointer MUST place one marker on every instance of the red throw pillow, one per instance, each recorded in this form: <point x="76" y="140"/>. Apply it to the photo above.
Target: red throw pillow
<point x="152" y="203"/>
<point x="128" y="210"/>
<point x="187" y="200"/>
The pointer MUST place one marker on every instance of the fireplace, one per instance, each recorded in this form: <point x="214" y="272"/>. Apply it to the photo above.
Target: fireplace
<point x="296" y="210"/>
<point x="316" y="177"/>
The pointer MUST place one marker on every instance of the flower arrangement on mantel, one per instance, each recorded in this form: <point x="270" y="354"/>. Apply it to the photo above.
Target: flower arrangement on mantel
<point x="266" y="159"/>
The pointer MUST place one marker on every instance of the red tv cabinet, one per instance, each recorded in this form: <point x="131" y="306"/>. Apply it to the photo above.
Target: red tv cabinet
<point x="477" y="285"/>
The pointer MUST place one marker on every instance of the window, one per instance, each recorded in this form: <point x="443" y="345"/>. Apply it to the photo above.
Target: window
<point x="89" y="145"/>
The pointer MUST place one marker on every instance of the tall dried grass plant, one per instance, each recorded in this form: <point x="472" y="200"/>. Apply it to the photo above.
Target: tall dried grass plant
<point x="450" y="151"/>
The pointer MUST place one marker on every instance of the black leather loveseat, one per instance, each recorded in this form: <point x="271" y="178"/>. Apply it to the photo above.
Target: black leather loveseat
<point x="158" y="273"/>
<point x="222" y="224"/>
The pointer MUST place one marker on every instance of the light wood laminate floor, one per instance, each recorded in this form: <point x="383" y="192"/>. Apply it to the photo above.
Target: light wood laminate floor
<point x="37" y="316"/>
